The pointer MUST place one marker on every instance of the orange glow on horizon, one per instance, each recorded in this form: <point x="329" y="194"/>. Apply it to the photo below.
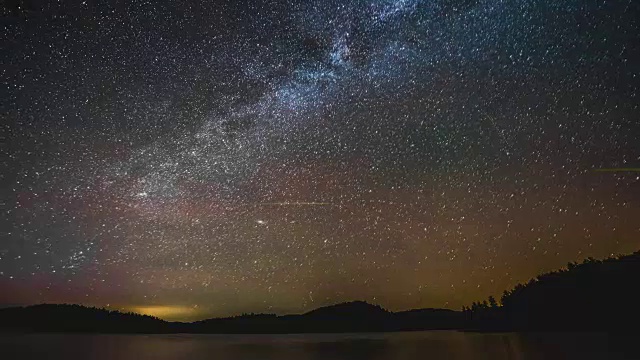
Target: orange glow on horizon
<point x="167" y="312"/>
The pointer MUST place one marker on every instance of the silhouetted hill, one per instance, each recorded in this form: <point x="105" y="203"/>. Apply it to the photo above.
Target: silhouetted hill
<point x="353" y="309"/>
<point x="357" y="316"/>
<point x="354" y="316"/>
<point x="593" y="295"/>
<point x="76" y="318"/>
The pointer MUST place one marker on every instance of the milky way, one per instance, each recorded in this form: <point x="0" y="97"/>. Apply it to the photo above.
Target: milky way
<point x="211" y="158"/>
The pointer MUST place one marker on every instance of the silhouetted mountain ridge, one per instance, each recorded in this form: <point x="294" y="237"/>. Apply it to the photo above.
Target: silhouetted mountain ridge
<point x="593" y="295"/>
<point x="354" y="316"/>
<point x="349" y="309"/>
<point x="77" y="318"/>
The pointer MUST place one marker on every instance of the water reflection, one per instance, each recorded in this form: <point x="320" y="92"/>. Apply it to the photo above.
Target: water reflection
<point x="415" y="345"/>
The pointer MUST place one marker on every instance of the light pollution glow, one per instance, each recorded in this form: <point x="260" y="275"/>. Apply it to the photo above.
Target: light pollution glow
<point x="167" y="312"/>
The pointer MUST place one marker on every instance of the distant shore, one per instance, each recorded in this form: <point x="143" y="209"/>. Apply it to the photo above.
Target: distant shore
<point x="595" y="295"/>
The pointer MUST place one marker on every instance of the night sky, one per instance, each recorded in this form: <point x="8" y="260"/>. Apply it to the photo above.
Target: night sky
<point x="197" y="159"/>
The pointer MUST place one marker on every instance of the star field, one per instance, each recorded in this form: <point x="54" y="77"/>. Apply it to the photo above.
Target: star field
<point x="210" y="158"/>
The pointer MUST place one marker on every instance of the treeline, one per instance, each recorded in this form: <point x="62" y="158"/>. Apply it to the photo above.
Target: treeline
<point x="77" y="318"/>
<point x="592" y="295"/>
<point x="357" y="316"/>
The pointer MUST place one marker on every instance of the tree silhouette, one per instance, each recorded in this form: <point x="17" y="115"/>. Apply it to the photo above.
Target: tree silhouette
<point x="593" y="295"/>
<point x="492" y="302"/>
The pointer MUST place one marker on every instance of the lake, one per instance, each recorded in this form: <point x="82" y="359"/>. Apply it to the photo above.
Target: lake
<point x="380" y="346"/>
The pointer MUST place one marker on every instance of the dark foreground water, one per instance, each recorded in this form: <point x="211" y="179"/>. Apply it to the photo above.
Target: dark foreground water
<point x="414" y="345"/>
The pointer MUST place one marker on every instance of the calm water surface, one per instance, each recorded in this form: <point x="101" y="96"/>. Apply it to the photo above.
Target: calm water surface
<point x="387" y="346"/>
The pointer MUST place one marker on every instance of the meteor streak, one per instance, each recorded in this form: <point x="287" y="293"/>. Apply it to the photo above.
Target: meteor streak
<point x="618" y="170"/>
<point x="296" y="203"/>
